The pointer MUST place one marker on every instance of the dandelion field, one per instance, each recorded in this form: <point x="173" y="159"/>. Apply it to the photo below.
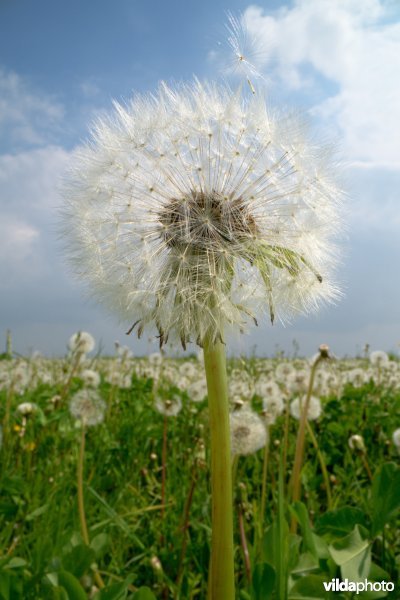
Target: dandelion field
<point x="145" y="477"/>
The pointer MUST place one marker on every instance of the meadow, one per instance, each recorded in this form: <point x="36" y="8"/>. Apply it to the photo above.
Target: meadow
<point x="104" y="480"/>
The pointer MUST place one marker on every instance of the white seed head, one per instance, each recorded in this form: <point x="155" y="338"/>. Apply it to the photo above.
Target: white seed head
<point x="169" y="407"/>
<point x="396" y="438"/>
<point x="82" y="342"/>
<point x="248" y="432"/>
<point x="27" y="408"/>
<point x="90" y="377"/>
<point x="199" y="208"/>
<point x="273" y="406"/>
<point x="314" y="408"/>
<point x="379" y="358"/>
<point x="356" y="442"/>
<point x="88" y="407"/>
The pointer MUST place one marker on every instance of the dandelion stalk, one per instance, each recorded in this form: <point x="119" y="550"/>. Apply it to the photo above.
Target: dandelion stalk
<point x="300" y="441"/>
<point x="321" y="464"/>
<point x="81" y="501"/>
<point x="263" y="490"/>
<point x="221" y="578"/>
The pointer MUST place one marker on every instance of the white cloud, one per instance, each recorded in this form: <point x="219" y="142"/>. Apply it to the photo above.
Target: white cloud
<point x="29" y="182"/>
<point x="26" y="116"/>
<point x="355" y="44"/>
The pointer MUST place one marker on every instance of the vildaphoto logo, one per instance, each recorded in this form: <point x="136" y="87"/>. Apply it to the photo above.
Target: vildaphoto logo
<point x="336" y="585"/>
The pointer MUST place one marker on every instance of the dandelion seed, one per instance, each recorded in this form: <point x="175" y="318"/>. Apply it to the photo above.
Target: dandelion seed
<point x="199" y="208"/>
<point x="88" y="407"/>
<point x="248" y="432"/>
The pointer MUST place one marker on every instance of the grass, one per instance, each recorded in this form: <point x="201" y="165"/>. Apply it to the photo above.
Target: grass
<point x="132" y="544"/>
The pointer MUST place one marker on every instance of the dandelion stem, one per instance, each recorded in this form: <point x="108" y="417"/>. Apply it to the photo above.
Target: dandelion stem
<point x="185" y="525"/>
<point x="164" y="465"/>
<point x="81" y="503"/>
<point x="299" y="452"/>
<point x="243" y="541"/>
<point x="221" y="577"/>
<point x="322" y="465"/>
<point x="264" y="490"/>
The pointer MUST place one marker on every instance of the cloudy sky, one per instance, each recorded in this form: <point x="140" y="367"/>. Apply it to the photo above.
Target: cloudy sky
<point x="62" y="63"/>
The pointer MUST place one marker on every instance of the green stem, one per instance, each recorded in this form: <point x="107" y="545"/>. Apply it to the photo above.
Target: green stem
<point x="298" y="461"/>
<point x="81" y="503"/>
<point x="263" y="492"/>
<point x="322" y="465"/>
<point x="221" y="577"/>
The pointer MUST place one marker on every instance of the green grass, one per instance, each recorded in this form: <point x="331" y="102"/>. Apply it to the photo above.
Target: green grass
<point x="132" y="545"/>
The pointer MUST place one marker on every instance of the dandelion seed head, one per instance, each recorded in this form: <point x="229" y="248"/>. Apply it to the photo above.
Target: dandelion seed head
<point x="88" y="407"/>
<point x="356" y="442"/>
<point x="169" y="407"/>
<point x="314" y="408"/>
<point x="379" y="358"/>
<point x="81" y="342"/>
<point x="248" y="432"/>
<point x="90" y="377"/>
<point x="396" y="438"/>
<point x="197" y="209"/>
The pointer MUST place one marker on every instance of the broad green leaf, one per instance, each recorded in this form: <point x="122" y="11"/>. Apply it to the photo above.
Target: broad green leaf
<point x="72" y="586"/>
<point x="310" y="587"/>
<point x="78" y="560"/>
<point x="340" y="522"/>
<point x="300" y="512"/>
<point x="144" y="593"/>
<point x="385" y="496"/>
<point x="306" y="563"/>
<point x="100" y="543"/>
<point x="263" y="582"/>
<point x="4" y="586"/>
<point x="116" y="591"/>
<point x="353" y="554"/>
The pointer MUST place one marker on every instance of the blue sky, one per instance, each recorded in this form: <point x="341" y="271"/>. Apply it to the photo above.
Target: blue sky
<point x="61" y="64"/>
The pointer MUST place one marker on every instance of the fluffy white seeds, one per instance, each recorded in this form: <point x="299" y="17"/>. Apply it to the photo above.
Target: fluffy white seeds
<point x="379" y="359"/>
<point x="198" y="208"/>
<point x="169" y="407"/>
<point x="81" y="342"/>
<point x="356" y="442"/>
<point x="314" y="408"/>
<point x="396" y="438"/>
<point x="248" y="432"/>
<point x="88" y="407"/>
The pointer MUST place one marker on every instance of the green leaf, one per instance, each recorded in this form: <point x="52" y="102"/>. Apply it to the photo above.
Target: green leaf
<point x="4" y="586"/>
<point x="72" y="586"/>
<point x="78" y="560"/>
<point x="300" y="512"/>
<point x="263" y="582"/>
<point x="117" y="591"/>
<point x="306" y="563"/>
<point x="100" y="543"/>
<point x="340" y="522"/>
<point x="353" y="554"/>
<point x="310" y="587"/>
<point x="385" y="496"/>
<point x="144" y="593"/>
<point x="37" y="513"/>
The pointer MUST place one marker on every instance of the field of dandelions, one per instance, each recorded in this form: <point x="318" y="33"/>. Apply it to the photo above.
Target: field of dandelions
<point x="105" y="489"/>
